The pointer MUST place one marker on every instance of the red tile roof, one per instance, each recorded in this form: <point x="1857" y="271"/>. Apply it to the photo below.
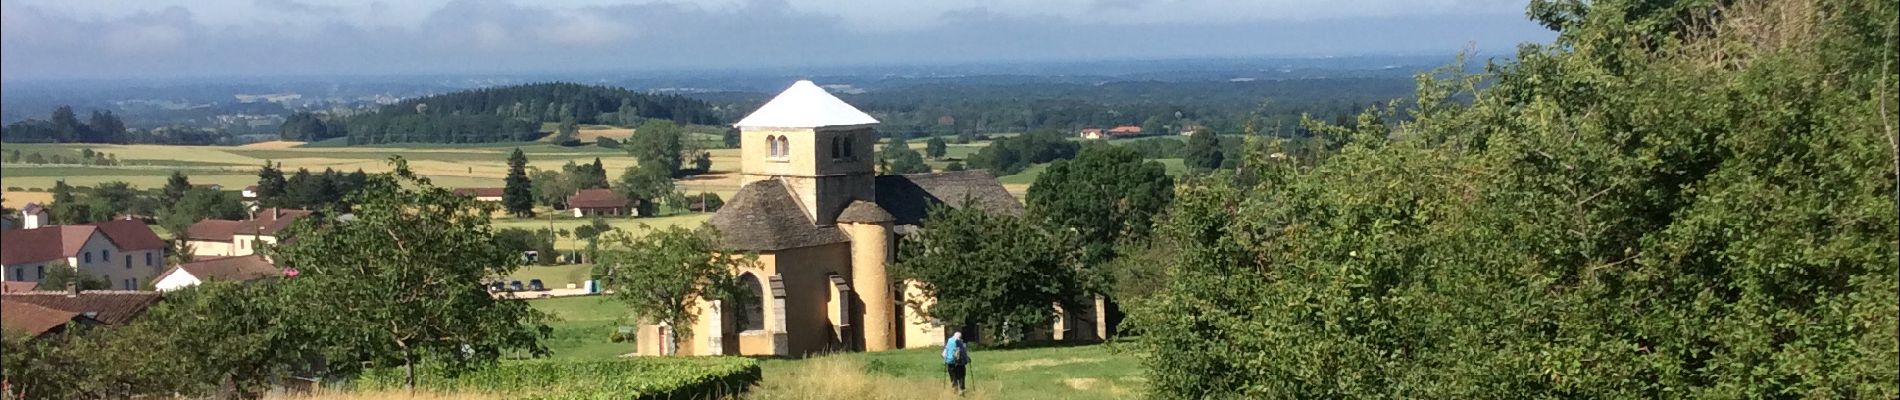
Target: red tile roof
<point x="238" y="268"/>
<point x="18" y="286"/>
<point x="1125" y="130"/>
<point x="21" y="246"/>
<point x="212" y="229"/>
<point x="131" y="235"/>
<point x="268" y="221"/>
<point x="112" y="307"/>
<point x="597" y="198"/>
<point x="480" y="192"/>
<point x="34" y="319"/>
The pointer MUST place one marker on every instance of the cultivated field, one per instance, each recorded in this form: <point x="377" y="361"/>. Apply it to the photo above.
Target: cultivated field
<point x="475" y="165"/>
<point x="448" y="165"/>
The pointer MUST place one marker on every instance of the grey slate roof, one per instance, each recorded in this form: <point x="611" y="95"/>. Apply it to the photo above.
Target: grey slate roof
<point x="908" y="197"/>
<point x="762" y="217"/>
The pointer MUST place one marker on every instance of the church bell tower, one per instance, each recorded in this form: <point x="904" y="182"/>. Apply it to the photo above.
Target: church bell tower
<point x="818" y="145"/>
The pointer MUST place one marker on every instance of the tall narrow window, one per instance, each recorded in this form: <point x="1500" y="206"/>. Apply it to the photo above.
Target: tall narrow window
<point x="848" y="145"/>
<point x="754" y="306"/>
<point x="772" y="141"/>
<point x="784" y="147"/>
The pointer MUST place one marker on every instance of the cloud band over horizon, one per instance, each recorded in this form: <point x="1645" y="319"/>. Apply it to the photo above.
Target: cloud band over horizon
<point x="51" y="40"/>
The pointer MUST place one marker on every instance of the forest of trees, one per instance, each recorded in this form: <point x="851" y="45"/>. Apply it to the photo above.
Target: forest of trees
<point x="968" y="109"/>
<point x="64" y="126"/>
<point x="503" y="114"/>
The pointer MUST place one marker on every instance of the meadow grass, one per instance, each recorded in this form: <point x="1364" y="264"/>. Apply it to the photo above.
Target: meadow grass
<point x="581" y="327"/>
<point x="1098" y="371"/>
<point x="1094" y="371"/>
<point x="379" y="395"/>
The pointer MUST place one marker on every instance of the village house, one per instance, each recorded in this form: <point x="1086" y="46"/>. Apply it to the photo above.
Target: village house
<point x="124" y="253"/>
<point x="235" y="269"/>
<point x="35" y="321"/>
<point x="249" y="195"/>
<point x="487" y="194"/>
<point x="1124" y="131"/>
<point x="46" y="313"/>
<point x="824" y="227"/>
<point x="1092" y="133"/>
<point x="600" y="202"/>
<point x="225" y="238"/>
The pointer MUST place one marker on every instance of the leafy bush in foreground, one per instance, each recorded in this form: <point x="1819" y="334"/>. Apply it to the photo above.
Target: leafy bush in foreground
<point x="635" y="378"/>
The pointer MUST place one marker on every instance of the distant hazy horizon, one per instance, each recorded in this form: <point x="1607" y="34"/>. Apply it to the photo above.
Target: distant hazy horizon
<point x="159" y="39"/>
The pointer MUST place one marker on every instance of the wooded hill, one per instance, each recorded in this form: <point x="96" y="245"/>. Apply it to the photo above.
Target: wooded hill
<point x="500" y="114"/>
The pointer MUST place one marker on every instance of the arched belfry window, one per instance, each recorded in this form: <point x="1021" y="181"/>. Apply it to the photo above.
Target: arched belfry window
<point x="784" y="147"/>
<point x="772" y="141"/>
<point x="847" y="147"/>
<point x="753" y="303"/>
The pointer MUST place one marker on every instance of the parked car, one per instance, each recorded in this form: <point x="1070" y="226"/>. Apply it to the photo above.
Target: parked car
<point x="514" y="286"/>
<point x="498" y="286"/>
<point x="535" y="285"/>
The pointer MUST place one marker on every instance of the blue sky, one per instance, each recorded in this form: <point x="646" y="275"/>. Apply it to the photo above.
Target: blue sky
<point x="42" y="39"/>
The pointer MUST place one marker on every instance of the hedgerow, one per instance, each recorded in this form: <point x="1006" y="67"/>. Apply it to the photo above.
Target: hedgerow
<point x="633" y="378"/>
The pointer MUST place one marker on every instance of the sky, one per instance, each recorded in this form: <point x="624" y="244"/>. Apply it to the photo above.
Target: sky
<point x="58" y="39"/>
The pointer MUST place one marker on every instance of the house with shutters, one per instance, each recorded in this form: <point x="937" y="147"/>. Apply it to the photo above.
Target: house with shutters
<point x="125" y="254"/>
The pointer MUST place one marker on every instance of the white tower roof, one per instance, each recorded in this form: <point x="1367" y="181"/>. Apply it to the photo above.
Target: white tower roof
<point x="805" y="105"/>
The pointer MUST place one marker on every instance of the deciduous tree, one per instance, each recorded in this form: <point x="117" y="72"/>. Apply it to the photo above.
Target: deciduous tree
<point x="663" y="276"/>
<point x="1002" y="273"/>
<point x="1106" y="195"/>
<point x="401" y="283"/>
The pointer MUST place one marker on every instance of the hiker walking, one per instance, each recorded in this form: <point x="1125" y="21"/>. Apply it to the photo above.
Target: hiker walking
<point x="956" y="360"/>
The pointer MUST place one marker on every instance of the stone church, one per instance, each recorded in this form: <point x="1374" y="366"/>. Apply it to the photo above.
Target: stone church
<point x="825" y="228"/>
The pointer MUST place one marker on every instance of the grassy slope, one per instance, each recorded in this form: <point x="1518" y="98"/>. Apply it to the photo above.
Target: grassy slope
<point x="1104" y="371"/>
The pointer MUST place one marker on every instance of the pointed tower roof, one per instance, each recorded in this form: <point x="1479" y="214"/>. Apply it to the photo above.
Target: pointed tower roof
<point x="805" y="105"/>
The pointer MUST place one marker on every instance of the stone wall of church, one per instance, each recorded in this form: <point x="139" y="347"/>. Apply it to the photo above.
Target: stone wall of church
<point x="807" y="151"/>
<point x="807" y="275"/>
<point x="824" y="197"/>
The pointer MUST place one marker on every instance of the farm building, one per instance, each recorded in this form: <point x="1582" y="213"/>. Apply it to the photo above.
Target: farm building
<point x="488" y="194"/>
<point x="824" y="228"/>
<point x="224" y="238"/>
<point x="600" y="202"/>
<point x="235" y="268"/>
